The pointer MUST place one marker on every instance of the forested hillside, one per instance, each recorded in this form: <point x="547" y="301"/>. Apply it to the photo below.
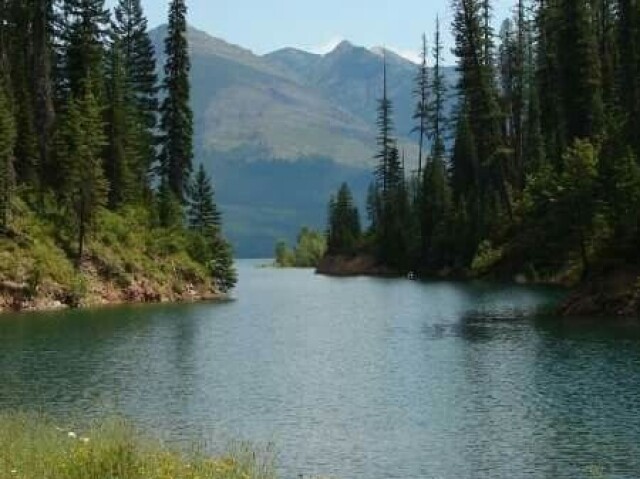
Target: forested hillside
<point x="279" y="132"/>
<point x="98" y="202"/>
<point x="542" y="180"/>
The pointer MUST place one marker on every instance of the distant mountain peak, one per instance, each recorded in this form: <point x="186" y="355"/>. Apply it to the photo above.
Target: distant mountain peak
<point x="343" y="46"/>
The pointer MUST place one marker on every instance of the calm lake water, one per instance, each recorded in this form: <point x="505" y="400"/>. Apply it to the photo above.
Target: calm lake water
<point x="350" y="378"/>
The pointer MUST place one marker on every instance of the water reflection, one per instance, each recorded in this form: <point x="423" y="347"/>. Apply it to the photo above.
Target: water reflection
<point x="351" y="377"/>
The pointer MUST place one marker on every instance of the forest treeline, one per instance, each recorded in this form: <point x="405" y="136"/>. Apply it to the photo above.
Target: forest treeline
<point x="92" y="139"/>
<point x="536" y="171"/>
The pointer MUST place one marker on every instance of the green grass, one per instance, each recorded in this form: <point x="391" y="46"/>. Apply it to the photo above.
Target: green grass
<point x="33" y="446"/>
<point x="122" y="249"/>
<point x="33" y="253"/>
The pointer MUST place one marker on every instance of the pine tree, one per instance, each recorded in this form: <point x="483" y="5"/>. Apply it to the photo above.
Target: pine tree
<point x="421" y="93"/>
<point x="7" y="144"/>
<point x="169" y="209"/>
<point x="123" y="152"/>
<point x="436" y="109"/>
<point x="605" y="20"/>
<point x="533" y="143"/>
<point x="222" y="266"/>
<point x="129" y="28"/>
<point x="512" y="74"/>
<point x="176" y="115"/>
<point x="43" y="84"/>
<point x="390" y="183"/>
<point x="386" y="141"/>
<point x="205" y="221"/>
<point x="628" y="71"/>
<point x="343" y="228"/>
<point x="480" y="119"/>
<point x="436" y="209"/>
<point x="581" y="79"/>
<point x="374" y="208"/>
<point x="466" y="191"/>
<point x="203" y="213"/>
<point x="81" y="144"/>
<point x="85" y="38"/>
<point x="20" y="41"/>
<point x="552" y="117"/>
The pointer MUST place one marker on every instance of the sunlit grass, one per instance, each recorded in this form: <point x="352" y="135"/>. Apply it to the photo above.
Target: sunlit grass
<point x="33" y="446"/>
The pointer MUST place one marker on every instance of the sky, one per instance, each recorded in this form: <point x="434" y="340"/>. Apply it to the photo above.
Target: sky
<point x="267" y="25"/>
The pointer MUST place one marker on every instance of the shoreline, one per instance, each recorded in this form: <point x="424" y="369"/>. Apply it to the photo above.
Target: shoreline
<point x="614" y="293"/>
<point x="14" y="301"/>
<point x="354" y="265"/>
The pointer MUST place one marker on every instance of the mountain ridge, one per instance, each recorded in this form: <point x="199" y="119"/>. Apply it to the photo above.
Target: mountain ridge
<point x="279" y="132"/>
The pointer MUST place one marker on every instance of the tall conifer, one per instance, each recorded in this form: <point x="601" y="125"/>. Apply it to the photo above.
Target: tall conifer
<point x="176" y="115"/>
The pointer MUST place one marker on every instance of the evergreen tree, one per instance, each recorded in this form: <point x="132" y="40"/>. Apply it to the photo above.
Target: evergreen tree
<point x="343" y="229"/>
<point x="43" y="83"/>
<point x="386" y="141"/>
<point x="176" y="115"/>
<point x="374" y="208"/>
<point x="203" y="213"/>
<point x="512" y="77"/>
<point x="78" y="108"/>
<point x="85" y="38"/>
<point x="533" y="142"/>
<point x="26" y="153"/>
<point x="577" y="201"/>
<point x="552" y="117"/>
<point x="129" y="28"/>
<point x="480" y="119"/>
<point x="169" y="209"/>
<point x="123" y="154"/>
<point x="605" y="21"/>
<point x="7" y="144"/>
<point x="81" y="145"/>
<point x="581" y="78"/>
<point x="436" y="109"/>
<point x="465" y="181"/>
<point x="205" y="221"/>
<point x="222" y="266"/>
<point x="436" y="209"/>
<point x="391" y="186"/>
<point x="628" y="71"/>
<point x="421" y="93"/>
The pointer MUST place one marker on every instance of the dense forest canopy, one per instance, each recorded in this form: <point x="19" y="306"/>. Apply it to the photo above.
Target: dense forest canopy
<point x="84" y="135"/>
<point x="542" y="174"/>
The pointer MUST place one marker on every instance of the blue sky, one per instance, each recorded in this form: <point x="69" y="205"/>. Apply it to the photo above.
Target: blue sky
<point x="266" y="25"/>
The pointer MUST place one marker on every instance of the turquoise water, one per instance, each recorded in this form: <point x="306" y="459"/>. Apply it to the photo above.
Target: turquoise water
<point x="350" y="378"/>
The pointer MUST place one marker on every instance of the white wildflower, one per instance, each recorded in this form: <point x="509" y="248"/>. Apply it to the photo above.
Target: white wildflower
<point x="72" y="435"/>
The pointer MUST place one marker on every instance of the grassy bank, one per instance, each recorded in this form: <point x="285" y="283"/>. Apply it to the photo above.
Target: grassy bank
<point x="127" y="258"/>
<point x="35" y="447"/>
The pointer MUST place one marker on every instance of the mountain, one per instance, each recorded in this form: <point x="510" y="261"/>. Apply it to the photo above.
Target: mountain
<point x="352" y="76"/>
<point x="280" y="132"/>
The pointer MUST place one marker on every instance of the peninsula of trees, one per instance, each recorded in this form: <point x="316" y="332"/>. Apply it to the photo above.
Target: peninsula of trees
<point x="98" y="201"/>
<point x="536" y="173"/>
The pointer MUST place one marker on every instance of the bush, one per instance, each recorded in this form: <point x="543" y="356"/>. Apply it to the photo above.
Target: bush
<point x="311" y="247"/>
<point x="486" y="257"/>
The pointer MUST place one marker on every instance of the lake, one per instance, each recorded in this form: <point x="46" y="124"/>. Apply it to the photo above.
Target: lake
<point x="350" y="378"/>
